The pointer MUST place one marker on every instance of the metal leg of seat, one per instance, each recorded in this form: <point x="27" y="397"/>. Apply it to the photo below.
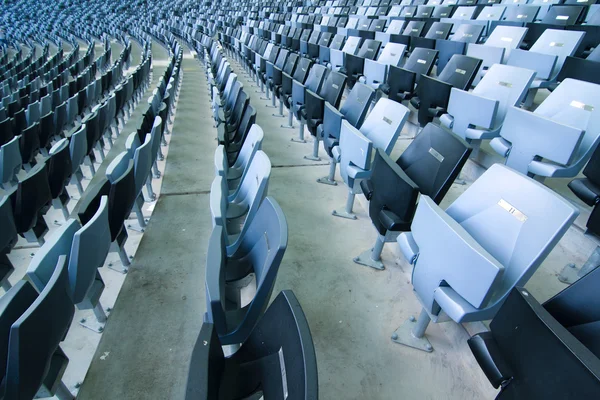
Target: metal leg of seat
<point x="156" y="172"/>
<point x="315" y="154"/>
<point x="412" y="333"/>
<point x="300" y="133"/>
<point x="280" y="108"/>
<point x="347" y="213"/>
<point x="290" y="124"/>
<point x="330" y="179"/>
<point x="273" y="104"/>
<point x="372" y="257"/>
<point x="63" y="393"/>
<point x="100" y="320"/>
<point x="151" y="194"/>
<point x="570" y="273"/>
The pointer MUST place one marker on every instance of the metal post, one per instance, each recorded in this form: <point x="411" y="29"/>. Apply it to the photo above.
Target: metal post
<point x="99" y="313"/>
<point x="422" y="324"/>
<point x="347" y="213"/>
<point x="350" y="202"/>
<point x="124" y="257"/>
<point x="372" y="257"/>
<point x="280" y="108"/>
<point x="63" y="393"/>
<point x="290" y="120"/>
<point x="300" y="133"/>
<point x="330" y="179"/>
<point x="315" y="154"/>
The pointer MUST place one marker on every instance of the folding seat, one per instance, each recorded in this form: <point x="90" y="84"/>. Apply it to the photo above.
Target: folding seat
<point x="260" y="253"/>
<point x="471" y="281"/>
<point x="30" y="200"/>
<point x="380" y="131"/>
<point x="446" y="50"/>
<point x="546" y="56"/>
<point x="375" y="72"/>
<point x="33" y="113"/>
<point x="335" y="43"/>
<point x="267" y="350"/>
<point x="580" y="69"/>
<point x="29" y="144"/>
<point x="414" y="28"/>
<point x="467" y="33"/>
<point x="479" y="114"/>
<point x="488" y="14"/>
<point x="228" y="128"/>
<point x="59" y="174"/>
<point x="267" y="77"/>
<point x="236" y="211"/>
<point x="35" y="363"/>
<point x="558" y="138"/>
<point x="119" y="186"/>
<point x="47" y="132"/>
<point x="442" y="11"/>
<point x="563" y="15"/>
<point x="433" y="94"/>
<point x="10" y="163"/>
<point x="311" y="113"/>
<point x="562" y="332"/>
<point x="77" y="152"/>
<point x="337" y="57"/>
<point x="392" y="33"/>
<point x="141" y="153"/>
<point x="314" y="81"/>
<point x="497" y="48"/>
<point x="428" y="167"/>
<point x="234" y="172"/>
<point x="437" y="31"/>
<point x="8" y="239"/>
<point x="155" y="132"/>
<point x="312" y="45"/>
<point x="354" y="64"/>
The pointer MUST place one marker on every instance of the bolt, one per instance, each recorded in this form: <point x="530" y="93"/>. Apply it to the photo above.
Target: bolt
<point x="77" y="385"/>
<point x="395" y="336"/>
<point x="108" y="309"/>
<point x="31" y="254"/>
<point x="82" y="320"/>
<point x="412" y="318"/>
<point x="572" y="265"/>
<point x="131" y="257"/>
<point x="101" y="329"/>
<point x="110" y="264"/>
<point x="428" y="347"/>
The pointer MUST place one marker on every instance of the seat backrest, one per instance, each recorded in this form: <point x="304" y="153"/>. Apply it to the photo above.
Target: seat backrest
<point x="42" y="265"/>
<point x="433" y="160"/>
<point x="507" y="37"/>
<point x="89" y="248"/>
<point x="501" y="211"/>
<point x="59" y="167"/>
<point x="414" y="28"/>
<point x="577" y="104"/>
<point x="559" y="43"/>
<point x="421" y="61"/>
<point x="333" y="88"/>
<point x="439" y="30"/>
<point x="383" y="125"/>
<point x="255" y="181"/>
<point x="78" y="147"/>
<point x="460" y="71"/>
<point x="290" y="64"/>
<point x="392" y="54"/>
<point x="156" y="136"/>
<point x="315" y="77"/>
<point x="356" y="149"/>
<point x="32" y="195"/>
<point x="357" y="104"/>
<point x="369" y="49"/>
<point x="351" y="45"/>
<point x="8" y="234"/>
<point x="142" y="160"/>
<point x="395" y="27"/>
<point x="13" y="304"/>
<point x="302" y="69"/>
<point x="251" y="145"/>
<point x="34" y="339"/>
<point x="491" y="13"/>
<point x="468" y="33"/>
<point x="10" y="160"/>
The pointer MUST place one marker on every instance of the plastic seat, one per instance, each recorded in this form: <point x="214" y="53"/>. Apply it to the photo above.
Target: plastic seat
<point x="142" y="159"/>
<point x="580" y="69"/>
<point x="563" y="130"/>
<point x="380" y="131"/>
<point x="446" y="50"/>
<point x="354" y="110"/>
<point x="402" y="81"/>
<point x="428" y="166"/>
<point x="59" y="174"/>
<point x="375" y="72"/>
<point x="6" y="131"/>
<point x="354" y="64"/>
<point x="546" y="56"/>
<point x="235" y="211"/>
<point x="506" y="37"/>
<point x="492" y="238"/>
<point x="30" y="201"/>
<point x="77" y="151"/>
<point x="8" y="239"/>
<point x="261" y="251"/>
<point x="311" y="113"/>
<point x="119" y="186"/>
<point x="35" y="360"/>
<point x="89" y="248"/>
<point x="314" y="81"/>
<point x="211" y="375"/>
<point x="10" y="163"/>
<point x="234" y="145"/>
<point x="29" y="144"/>
<point x="235" y="173"/>
<point x="337" y="57"/>
<point x="433" y="94"/>
<point x="479" y="114"/>
<point x="563" y="332"/>
<point x="33" y="113"/>
<point x="303" y="67"/>
<point x="468" y="33"/>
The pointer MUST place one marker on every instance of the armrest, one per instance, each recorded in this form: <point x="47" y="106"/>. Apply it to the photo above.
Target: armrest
<point x="543" y="64"/>
<point x="391" y="221"/>
<point x="450" y="255"/>
<point x="470" y="109"/>
<point x="337" y="154"/>
<point x="355" y="172"/>
<point x="489" y="357"/>
<point x="367" y="188"/>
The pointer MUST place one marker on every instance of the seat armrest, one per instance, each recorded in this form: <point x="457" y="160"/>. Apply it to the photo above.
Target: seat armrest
<point x="355" y="172"/>
<point x="490" y="359"/>
<point x="367" y="188"/>
<point x="501" y="146"/>
<point x="337" y="153"/>
<point x="408" y="247"/>
<point x="391" y="221"/>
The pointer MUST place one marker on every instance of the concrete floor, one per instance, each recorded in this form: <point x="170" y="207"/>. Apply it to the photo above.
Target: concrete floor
<point x="352" y="310"/>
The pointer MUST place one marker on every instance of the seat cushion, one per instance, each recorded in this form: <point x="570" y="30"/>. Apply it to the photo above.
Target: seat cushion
<point x="585" y="190"/>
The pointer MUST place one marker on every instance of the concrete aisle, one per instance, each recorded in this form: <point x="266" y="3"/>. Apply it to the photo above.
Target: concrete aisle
<point x="144" y="350"/>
